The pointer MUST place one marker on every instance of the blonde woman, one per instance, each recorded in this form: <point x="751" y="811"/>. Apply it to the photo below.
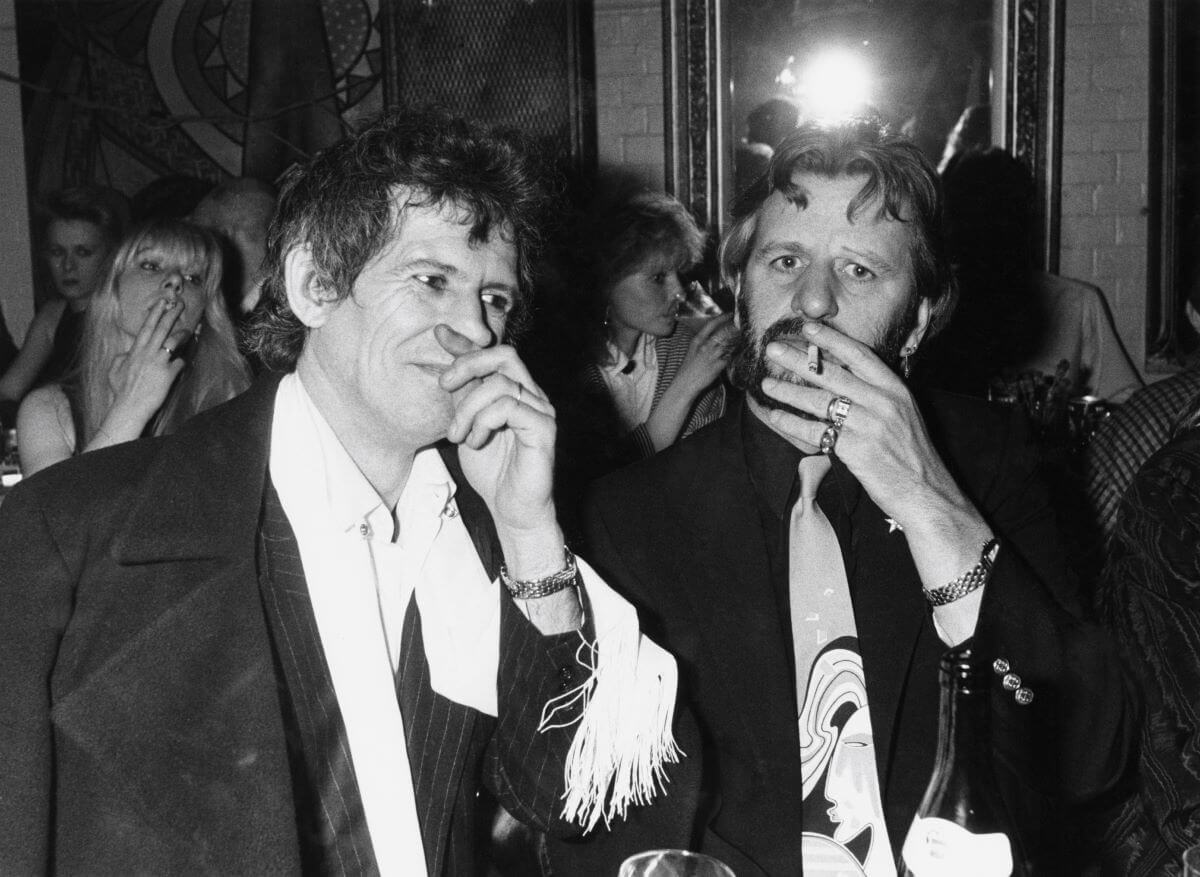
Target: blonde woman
<point x="158" y="347"/>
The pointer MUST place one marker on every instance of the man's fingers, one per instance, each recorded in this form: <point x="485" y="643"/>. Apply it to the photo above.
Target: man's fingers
<point x="800" y="430"/>
<point x="812" y="400"/>
<point x="854" y="355"/>
<point x="496" y="389"/>
<point x="480" y="365"/>
<point x="499" y="414"/>
<point x="833" y="377"/>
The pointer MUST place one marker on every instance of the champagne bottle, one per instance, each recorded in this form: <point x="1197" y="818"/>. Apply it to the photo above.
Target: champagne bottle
<point x="962" y="826"/>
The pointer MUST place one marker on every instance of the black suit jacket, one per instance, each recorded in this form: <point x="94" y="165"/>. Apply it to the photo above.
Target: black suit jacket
<point x="141" y="730"/>
<point x="681" y="535"/>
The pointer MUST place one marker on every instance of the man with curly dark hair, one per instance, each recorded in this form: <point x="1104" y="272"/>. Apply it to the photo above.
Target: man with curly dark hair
<point x="303" y="634"/>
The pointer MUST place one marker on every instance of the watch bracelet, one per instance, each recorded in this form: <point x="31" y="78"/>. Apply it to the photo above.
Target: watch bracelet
<point x="531" y="589"/>
<point x="972" y="580"/>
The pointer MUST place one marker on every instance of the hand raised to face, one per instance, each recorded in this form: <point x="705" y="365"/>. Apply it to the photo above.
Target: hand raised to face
<point x="882" y="438"/>
<point x="142" y="377"/>
<point x="505" y="428"/>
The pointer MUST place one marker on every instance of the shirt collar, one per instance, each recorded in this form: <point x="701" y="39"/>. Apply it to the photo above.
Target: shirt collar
<point x="773" y="461"/>
<point x="645" y="355"/>
<point x="351" y="500"/>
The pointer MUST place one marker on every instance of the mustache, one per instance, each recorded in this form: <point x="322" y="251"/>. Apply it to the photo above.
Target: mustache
<point x="785" y="328"/>
<point x="749" y="360"/>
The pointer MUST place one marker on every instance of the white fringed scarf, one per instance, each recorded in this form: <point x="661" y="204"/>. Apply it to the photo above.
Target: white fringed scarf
<point x="624" y="738"/>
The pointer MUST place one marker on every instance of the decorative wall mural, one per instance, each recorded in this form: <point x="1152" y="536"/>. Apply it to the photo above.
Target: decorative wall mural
<point x="125" y="91"/>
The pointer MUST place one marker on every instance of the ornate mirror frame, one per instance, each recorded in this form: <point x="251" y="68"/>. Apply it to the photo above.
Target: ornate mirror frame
<point x="698" y="136"/>
<point x="1170" y="341"/>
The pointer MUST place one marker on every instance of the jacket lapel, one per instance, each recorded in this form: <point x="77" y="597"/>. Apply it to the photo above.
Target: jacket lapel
<point x="889" y="613"/>
<point x="729" y="590"/>
<point x="475" y="515"/>
<point x="185" y="566"/>
<point x="191" y="515"/>
<point x="733" y="584"/>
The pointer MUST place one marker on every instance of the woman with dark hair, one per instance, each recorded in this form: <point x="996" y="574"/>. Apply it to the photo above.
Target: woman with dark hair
<point x="158" y="348"/>
<point x="80" y="228"/>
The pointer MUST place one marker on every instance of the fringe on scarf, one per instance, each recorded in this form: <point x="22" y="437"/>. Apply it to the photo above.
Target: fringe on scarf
<point x="624" y="740"/>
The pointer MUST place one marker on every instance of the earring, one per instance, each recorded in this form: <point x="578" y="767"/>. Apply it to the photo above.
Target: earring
<point x="905" y="362"/>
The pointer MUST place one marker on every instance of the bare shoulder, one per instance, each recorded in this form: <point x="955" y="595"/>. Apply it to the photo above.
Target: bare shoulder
<point x="46" y="399"/>
<point x="45" y="427"/>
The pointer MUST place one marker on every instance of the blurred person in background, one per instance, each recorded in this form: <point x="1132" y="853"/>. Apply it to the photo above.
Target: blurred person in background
<point x="766" y="124"/>
<point x="172" y="196"/>
<point x="80" y="228"/>
<point x="972" y="131"/>
<point x="240" y="211"/>
<point x="637" y="378"/>
<point x="1013" y="318"/>
<point x="158" y="347"/>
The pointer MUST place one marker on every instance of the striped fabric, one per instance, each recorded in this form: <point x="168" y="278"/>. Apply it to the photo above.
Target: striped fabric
<point x="672" y="351"/>
<point x="452" y="749"/>
<point x="329" y="815"/>
<point x="1128" y="438"/>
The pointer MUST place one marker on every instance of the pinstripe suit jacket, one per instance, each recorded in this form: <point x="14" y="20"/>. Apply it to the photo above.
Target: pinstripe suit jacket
<point x="142" y="730"/>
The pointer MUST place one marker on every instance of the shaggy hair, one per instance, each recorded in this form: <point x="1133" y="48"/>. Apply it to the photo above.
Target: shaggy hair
<point x="898" y="177"/>
<point x="343" y="207"/>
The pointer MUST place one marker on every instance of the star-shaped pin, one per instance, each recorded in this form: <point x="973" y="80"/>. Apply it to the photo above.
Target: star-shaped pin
<point x="893" y="526"/>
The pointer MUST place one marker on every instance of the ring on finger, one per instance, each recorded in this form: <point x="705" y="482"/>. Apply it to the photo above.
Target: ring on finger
<point x="170" y="350"/>
<point x="520" y="391"/>
<point x="839" y="408"/>
<point x="829" y="439"/>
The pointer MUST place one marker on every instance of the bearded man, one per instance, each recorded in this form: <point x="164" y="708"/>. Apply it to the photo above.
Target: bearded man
<point x="810" y="557"/>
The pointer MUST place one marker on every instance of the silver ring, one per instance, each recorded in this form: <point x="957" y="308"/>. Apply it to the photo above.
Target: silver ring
<point x="839" y="408"/>
<point x="829" y="439"/>
<point x="170" y="350"/>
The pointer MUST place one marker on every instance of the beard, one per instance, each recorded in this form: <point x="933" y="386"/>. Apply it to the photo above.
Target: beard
<point x="750" y="364"/>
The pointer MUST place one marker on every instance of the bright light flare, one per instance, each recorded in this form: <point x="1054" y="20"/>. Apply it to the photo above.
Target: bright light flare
<point x="834" y="86"/>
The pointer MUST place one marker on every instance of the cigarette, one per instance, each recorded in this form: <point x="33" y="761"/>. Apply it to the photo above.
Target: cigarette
<point x="814" y="359"/>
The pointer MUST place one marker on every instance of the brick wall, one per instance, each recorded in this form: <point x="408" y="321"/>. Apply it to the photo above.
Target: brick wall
<point x="1105" y="156"/>
<point x="629" y="87"/>
<point x="16" y="297"/>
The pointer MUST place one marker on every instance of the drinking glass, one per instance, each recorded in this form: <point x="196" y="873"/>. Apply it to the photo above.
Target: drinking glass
<point x="1191" y="861"/>
<point x="673" y="863"/>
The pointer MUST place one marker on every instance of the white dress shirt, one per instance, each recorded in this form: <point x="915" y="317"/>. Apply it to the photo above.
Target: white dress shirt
<point x="362" y="567"/>
<point x="632" y="390"/>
